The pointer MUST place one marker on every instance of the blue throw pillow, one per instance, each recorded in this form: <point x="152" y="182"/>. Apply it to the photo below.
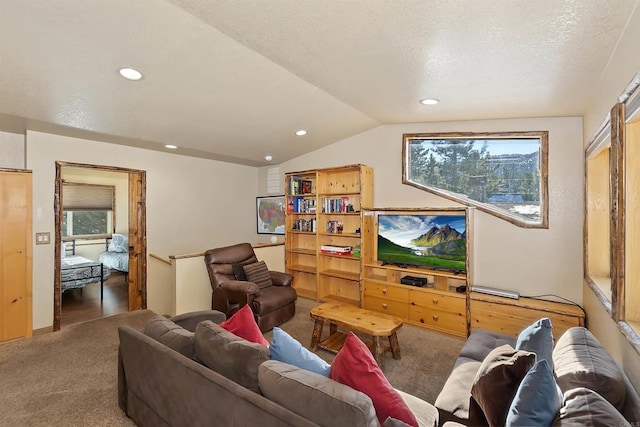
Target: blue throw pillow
<point x="284" y="348"/>
<point x="538" y="338"/>
<point x="537" y="400"/>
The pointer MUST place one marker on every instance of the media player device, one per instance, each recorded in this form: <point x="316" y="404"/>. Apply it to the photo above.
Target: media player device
<point x="414" y="281"/>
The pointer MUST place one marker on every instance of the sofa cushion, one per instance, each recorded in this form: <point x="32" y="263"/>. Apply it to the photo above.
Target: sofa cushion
<point x="172" y="335"/>
<point x="258" y="273"/>
<point x="355" y="366"/>
<point x="229" y="355"/>
<point x="317" y="398"/>
<point x="538" y="338"/>
<point x="426" y="414"/>
<point x="286" y="349"/>
<point x="481" y="342"/>
<point x="455" y="395"/>
<point x="584" y="407"/>
<point x="538" y="398"/>
<point x="498" y="379"/>
<point x="244" y="325"/>
<point x="581" y="361"/>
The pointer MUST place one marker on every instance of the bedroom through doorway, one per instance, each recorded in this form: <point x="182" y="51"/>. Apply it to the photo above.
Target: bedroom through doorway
<point x="98" y="209"/>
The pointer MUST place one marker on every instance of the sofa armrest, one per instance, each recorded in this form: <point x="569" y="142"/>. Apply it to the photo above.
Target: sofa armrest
<point x="281" y="279"/>
<point x="189" y="321"/>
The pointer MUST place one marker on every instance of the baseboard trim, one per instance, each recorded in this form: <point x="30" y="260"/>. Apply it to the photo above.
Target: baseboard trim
<point x="42" y="331"/>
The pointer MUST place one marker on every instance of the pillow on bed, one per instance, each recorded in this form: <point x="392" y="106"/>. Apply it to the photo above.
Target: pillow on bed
<point x="119" y="243"/>
<point x="63" y="249"/>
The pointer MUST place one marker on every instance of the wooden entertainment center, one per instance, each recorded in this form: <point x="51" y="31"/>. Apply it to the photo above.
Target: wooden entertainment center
<point x="333" y="207"/>
<point x="441" y="305"/>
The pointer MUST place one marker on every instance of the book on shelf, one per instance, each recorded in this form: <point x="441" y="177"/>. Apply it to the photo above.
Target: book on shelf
<point x="298" y="185"/>
<point x="336" y="250"/>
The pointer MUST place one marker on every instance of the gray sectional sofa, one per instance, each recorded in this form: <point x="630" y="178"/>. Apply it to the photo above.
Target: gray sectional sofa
<point x="170" y="376"/>
<point x="580" y="365"/>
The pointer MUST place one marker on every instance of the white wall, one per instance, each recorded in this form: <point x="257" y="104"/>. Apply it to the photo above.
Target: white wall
<point x="530" y="261"/>
<point x="11" y="150"/>
<point x="192" y="204"/>
<point x="623" y="66"/>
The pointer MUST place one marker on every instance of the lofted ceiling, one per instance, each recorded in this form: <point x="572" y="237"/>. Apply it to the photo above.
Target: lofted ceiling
<point x="234" y="79"/>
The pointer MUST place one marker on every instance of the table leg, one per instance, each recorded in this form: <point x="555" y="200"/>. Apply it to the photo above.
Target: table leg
<point x="333" y="328"/>
<point x="378" y="351"/>
<point x="317" y="333"/>
<point x="395" y="346"/>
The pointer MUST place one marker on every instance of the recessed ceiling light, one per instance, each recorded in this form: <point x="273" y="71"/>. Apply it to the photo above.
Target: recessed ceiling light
<point x="301" y="132"/>
<point x="171" y="146"/>
<point x="268" y="158"/>
<point x="130" y="74"/>
<point x="429" y="101"/>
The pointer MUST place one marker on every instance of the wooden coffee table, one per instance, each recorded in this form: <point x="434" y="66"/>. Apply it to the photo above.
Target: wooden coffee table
<point x="377" y="325"/>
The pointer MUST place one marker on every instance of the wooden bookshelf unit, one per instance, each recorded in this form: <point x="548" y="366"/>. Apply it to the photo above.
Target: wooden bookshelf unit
<point x="324" y="207"/>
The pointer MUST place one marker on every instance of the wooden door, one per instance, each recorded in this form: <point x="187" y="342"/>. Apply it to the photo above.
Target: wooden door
<point x="137" y="241"/>
<point x="15" y="247"/>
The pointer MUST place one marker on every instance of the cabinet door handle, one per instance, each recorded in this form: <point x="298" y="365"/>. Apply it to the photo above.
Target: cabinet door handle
<point x="384" y="291"/>
<point x="435" y="301"/>
<point x="435" y="317"/>
<point x="384" y="306"/>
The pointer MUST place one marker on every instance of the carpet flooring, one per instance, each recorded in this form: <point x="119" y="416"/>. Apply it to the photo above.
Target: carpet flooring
<point x="69" y="378"/>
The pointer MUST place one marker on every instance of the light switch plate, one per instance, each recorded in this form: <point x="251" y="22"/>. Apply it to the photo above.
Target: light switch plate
<point x="43" y="238"/>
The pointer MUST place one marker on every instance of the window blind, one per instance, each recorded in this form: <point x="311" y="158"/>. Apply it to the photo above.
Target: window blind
<point x="87" y="197"/>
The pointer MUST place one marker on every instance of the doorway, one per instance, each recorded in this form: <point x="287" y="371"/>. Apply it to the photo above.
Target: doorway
<point x="125" y="290"/>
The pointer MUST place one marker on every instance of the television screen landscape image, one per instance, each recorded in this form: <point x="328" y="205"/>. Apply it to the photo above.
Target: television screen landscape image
<point x="418" y="240"/>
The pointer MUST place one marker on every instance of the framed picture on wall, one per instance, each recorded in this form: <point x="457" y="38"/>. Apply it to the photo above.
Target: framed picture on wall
<point x="270" y="214"/>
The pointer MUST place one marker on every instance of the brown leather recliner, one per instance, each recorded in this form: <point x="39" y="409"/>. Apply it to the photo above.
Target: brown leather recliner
<point x="271" y="306"/>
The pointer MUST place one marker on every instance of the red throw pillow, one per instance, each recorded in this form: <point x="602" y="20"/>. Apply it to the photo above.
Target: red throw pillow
<point x="244" y="325"/>
<point x="355" y="366"/>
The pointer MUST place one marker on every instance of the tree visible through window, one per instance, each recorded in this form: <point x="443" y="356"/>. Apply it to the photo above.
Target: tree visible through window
<point x="502" y="174"/>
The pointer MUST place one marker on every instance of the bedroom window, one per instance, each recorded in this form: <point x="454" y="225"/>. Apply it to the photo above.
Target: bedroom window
<point x="504" y="174"/>
<point x="87" y="209"/>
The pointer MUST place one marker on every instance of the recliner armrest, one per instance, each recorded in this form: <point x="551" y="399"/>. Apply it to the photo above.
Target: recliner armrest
<point x="189" y="321"/>
<point x="240" y="286"/>
<point x="281" y="279"/>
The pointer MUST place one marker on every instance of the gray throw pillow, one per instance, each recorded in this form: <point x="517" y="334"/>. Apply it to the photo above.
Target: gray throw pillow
<point x="581" y="361"/>
<point x="229" y="355"/>
<point x="173" y="336"/>
<point x="584" y="407"/>
<point x="317" y="398"/>
<point x="258" y="273"/>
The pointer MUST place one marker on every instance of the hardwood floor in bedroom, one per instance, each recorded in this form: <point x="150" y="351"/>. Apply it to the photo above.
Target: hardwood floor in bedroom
<point x="80" y="305"/>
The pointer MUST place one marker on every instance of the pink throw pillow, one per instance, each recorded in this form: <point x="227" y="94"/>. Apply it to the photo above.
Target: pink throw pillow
<point x="244" y="325"/>
<point x="355" y="366"/>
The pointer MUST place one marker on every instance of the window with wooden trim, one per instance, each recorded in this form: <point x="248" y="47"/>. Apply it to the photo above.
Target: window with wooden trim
<point x="504" y="174"/>
<point x="87" y="209"/>
<point x="612" y="240"/>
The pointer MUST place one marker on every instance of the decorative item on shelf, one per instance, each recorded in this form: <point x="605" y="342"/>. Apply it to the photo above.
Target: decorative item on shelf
<point x="356" y="251"/>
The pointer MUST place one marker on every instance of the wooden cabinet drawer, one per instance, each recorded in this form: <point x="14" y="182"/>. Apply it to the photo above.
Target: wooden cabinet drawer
<point x="383" y="305"/>
<point x="437" y="301"/>
<point x="386" y="292"/>
<point x="452" y="322"/>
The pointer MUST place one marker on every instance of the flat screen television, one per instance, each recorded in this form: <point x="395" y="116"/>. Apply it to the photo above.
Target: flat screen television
<point x="423" y="240"/>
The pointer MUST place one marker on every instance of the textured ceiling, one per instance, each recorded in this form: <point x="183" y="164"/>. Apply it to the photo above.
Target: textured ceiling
<point x="234" y="79"/>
